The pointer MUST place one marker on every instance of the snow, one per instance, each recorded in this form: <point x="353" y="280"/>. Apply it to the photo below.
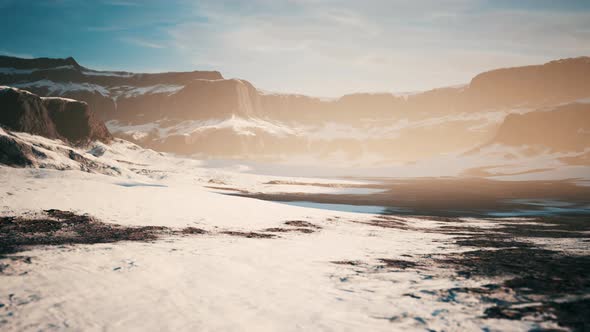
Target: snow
<point x="107" y="73"/>
<point x="248" y="126"/>
<point x="60" y="88"/>
<point x="15" y="71"/>
<point x="213" y="282"/>
<point x="5" y="88"/>
<point x="70" y="67"/>
<point x="583" y="101"/>
<point x="60" y="98"/>
<point x="216" y="281"/>
<point x="131" y="92"/>
<point x="242" y="126"/>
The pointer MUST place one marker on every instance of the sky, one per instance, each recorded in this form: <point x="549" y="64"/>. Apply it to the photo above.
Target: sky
<point x="320" y="48"/>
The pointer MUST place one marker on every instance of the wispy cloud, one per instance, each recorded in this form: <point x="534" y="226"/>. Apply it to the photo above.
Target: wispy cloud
<point x="386" y="45"/>
<point x="319" y="47"/>
<point x="121" y="3"/>
<point x="143" y="43"/>
<point x="106" y="28"/>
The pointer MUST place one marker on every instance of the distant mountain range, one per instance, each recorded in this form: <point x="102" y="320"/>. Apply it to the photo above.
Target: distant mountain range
<point x="201" y="113"/>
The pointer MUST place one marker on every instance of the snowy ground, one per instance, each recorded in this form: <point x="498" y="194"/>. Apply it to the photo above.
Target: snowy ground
<point x="336" y="278"/>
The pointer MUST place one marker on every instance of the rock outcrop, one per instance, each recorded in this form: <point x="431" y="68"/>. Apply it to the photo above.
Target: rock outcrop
<point x="51" y="117"/>
<point x="23" y="111"/>
<point x="74" y="121"/>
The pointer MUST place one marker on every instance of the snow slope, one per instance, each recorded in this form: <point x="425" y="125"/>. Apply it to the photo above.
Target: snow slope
<point x="216" y="282"/>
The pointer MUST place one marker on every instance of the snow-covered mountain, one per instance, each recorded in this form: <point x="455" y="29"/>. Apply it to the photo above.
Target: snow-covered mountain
<point x="202" y="113"/>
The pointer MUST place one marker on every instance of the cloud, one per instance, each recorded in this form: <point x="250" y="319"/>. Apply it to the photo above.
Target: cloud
<point x="335" y="47"/>
<point x="121" y="3"/>
<point x="106" y="28"/>
<point x="143" y="43"/>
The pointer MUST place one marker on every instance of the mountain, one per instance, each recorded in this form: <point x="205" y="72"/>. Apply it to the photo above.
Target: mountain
<point x="202" y="113"/>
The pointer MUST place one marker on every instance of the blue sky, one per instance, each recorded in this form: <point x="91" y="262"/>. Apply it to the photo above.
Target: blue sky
<point x="322" y="48"/>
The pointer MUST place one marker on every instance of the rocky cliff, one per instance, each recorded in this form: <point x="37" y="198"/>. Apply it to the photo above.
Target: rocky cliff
<point x="200" y="112"/>
<point x="51" y="117"/>
<point x="565" y="128"/>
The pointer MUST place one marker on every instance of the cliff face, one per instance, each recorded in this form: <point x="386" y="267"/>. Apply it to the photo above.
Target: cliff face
<point x="66" y="119"/>
<point x="99" y="89"/>
<point x="24" y="111"/>
<point x="193" y="95"/>
<point x="74" y="121"/>
<point x="563" y="129"/>
<point x="201" y="112"/>
<point x="38" y="63"/>
<point x="68" y="70"/>
<point x="554" y="82"/>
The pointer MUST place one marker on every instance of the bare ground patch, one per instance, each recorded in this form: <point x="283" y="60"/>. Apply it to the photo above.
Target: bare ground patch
<point x="56" y="227"/>
<point x="288" y="230"/>
<point x="250" y="235"/>
<point x="301" y="223"/>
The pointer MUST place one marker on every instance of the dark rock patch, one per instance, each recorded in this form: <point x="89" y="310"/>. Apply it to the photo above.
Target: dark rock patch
<point x="250" y="235"/>
<point x="226" y="188"/>
<point x="532" y="273"/>
<point x="58" y="227"/>
<point x="13" y="153"/>
<point x="301" y="223"/>
<point x="286" y="230"/>
<point x="398" y="264"/>
<point x="574" y="315"/>
<point x="538" y="284"/>
<point x="193" y="230"/>
<point x="75" y="122"/>
<point x="351" y="263"/>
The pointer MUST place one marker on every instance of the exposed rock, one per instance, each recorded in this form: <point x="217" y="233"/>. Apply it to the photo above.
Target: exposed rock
<point x="13" y="153"/>
<point x="75" y="122"/>
<point x="563" y="129"/>
<point x="38" y="63"/>
<point x="61" y="118"/>
<point x="170" y="104"/>
<point x="24" y="111"/>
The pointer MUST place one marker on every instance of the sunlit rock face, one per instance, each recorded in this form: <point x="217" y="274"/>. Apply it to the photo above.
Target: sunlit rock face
<point x="202" y="113"/>
<point x="24" y="111"/>
<point x="74" y="121"/>
<point x="51" y="117"/>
